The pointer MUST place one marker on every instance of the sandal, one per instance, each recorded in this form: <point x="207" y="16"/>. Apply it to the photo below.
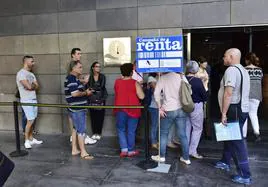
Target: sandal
<point x="87" y="157"/>
<point x="75" y="154"/>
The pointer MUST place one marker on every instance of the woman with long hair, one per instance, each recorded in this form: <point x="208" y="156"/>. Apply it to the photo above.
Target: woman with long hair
<point x="255" y="96"/>
<point x="96" y="83"/>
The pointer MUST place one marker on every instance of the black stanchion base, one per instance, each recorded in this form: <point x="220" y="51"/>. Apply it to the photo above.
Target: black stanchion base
<point x="18" y="153"/>
<point x="147" y="164"/>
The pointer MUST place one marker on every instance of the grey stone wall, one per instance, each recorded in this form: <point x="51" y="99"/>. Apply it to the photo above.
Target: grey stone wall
<point x="49" y="29"/>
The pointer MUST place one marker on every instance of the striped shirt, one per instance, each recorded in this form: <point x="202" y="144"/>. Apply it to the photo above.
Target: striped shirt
<point x="72" y="85"/>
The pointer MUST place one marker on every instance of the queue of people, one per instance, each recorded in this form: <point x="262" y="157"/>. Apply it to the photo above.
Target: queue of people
<point x="240" y="94"/>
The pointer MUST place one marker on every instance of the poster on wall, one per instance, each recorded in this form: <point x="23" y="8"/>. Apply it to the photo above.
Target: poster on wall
<point x="116" y="51"/>
<point x="159" y="54"/>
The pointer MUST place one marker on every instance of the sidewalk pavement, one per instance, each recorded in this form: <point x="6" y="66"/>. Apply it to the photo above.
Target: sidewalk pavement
<point x="51" y="164"/>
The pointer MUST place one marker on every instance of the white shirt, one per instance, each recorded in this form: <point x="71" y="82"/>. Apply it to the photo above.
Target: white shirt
<point x="232" y="77"/>
<point x="137" y="76"/>
<point x="25" y="95"/>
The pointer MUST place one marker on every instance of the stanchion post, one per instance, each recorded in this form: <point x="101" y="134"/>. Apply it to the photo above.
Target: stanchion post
<point x="147" y="149"/>
<point x="18" y="151"/>
<point x="147" y="163"/>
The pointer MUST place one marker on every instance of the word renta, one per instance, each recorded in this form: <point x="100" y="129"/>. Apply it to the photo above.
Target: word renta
<point x="158" y="44"/>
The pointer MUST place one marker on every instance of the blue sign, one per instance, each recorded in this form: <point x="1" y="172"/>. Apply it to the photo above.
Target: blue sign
<point x="159" y="54"/>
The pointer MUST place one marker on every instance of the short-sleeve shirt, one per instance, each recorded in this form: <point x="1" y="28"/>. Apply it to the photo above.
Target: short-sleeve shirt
<point x="25" y="95"/>
<point x="232" y="78"/>
<point x="72" y="85"/>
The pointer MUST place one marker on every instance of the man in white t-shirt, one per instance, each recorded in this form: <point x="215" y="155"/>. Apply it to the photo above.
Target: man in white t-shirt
<point x="27" y="85"/>
<point x="233" y="99"/>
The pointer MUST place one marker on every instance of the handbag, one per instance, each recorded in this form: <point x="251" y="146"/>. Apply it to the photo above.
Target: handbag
<point x="6" y="167"/>
<point x="186" y="96"/>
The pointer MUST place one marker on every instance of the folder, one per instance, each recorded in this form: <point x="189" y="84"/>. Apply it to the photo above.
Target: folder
<point x="230" y="131"/>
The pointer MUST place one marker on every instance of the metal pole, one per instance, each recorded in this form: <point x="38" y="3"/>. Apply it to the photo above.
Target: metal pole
<point x="147" y="154"/>
<point x="18" y="151"/>
<point x="147" y="163"/>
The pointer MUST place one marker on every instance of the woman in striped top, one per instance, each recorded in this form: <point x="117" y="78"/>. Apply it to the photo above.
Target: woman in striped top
<point x="255" y="96"/>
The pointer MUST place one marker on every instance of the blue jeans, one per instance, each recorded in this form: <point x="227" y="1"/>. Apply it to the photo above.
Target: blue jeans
<point x="154" y="124"/>
<point x="177" y="117"/>
<point x="79" y="121"/>
<point x="237" y="149"/>
<point x="126" y="130"/>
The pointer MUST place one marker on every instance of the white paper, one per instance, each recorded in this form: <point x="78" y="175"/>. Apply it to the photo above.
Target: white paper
<point x="229" y="132"/>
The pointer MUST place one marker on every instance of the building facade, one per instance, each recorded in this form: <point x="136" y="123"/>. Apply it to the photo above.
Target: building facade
<point x="49" y="29"/>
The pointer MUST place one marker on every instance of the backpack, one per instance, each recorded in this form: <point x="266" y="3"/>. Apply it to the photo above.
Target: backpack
<point x="186" y="96"/>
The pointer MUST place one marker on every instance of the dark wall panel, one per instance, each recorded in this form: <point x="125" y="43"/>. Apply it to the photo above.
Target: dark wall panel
<point x="77" y="21"/>
<point x="106" y="4"/>
<point x="117" y="19"/>
<point x="39" y="6"/>
<point x="40" y="24"/>
<point x="76" y="5"/>
<point x="10" y="25"/>
<point x="10" y="7"/>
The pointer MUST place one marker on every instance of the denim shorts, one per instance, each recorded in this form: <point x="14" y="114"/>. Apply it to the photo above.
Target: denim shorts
<point x="79" y="121"/>
<point x="30" y="111"/>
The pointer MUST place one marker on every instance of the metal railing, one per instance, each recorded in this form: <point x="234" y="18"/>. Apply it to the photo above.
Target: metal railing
<point x="146" y="164"/>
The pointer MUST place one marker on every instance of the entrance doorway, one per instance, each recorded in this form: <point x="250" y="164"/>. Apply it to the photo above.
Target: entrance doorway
<point x="211" y="43"/>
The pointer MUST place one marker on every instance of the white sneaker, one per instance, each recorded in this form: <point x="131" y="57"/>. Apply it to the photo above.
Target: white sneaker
<point x="187" y="162"/>
<point x="89" y="140"/>
<point x="157" y="158"/>
<point x="98" y="137"/>
<point x="71" y="139"/>
<point x="27" y="144"/>
<point x="197" y="156"/>
<point x="94" y="137"/>
<point x="35" y="141"/>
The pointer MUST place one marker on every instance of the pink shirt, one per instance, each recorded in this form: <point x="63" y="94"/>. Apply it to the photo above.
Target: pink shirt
<point x="170" y="83"/>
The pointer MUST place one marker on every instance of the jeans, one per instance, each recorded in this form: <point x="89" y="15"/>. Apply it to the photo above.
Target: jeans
<point x="154" y="124"/>
<point x="126" y="130"/>
<point x="253" y="115"/>
<point x="177" y="117"/>
<point x="237" y="149"/>
<point x="79" y="121"/>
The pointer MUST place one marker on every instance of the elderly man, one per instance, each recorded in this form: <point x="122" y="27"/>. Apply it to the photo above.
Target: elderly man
<point x="76" y="56"/>
<point x="77" y="95"/>
<point x="233" y="99"/>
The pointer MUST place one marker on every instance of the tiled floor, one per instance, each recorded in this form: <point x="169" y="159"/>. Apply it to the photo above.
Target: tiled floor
<point x="51" y="164"/>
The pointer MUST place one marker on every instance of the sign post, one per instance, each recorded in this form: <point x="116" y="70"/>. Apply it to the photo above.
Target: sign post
<point x="158" y="54"/>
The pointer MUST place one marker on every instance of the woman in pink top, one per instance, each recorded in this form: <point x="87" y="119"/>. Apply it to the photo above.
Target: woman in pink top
<point x="171" y="113"/>
<point x="128" y="92"/>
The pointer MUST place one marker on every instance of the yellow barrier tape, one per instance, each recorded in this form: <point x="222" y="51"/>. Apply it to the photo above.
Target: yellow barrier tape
<point x="69" y="106"/>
